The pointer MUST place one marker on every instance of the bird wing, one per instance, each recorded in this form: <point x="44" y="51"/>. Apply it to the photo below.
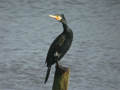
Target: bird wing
<point x="56" y="46"/>
<point x="61" y="40"/>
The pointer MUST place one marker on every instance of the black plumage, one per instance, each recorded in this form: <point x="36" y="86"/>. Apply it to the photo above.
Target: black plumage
<point x="60" y="45"/>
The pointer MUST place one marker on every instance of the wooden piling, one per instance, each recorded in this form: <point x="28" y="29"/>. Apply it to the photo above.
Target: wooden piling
<point x="61" y="78"/>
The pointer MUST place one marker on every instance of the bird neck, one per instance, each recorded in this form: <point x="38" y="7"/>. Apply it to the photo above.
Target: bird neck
<point x="65" y="26"/>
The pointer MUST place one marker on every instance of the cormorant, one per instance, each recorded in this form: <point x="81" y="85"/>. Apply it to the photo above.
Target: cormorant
<point x="60" y="45"/>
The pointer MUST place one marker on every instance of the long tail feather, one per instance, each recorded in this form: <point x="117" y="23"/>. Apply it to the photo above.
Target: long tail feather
<point x="47" y="74"/>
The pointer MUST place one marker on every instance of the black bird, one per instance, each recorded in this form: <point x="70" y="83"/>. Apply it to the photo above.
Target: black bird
<point x="60" y="45"/>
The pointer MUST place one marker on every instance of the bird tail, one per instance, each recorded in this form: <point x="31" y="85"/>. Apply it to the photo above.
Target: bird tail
<point x="47" y="74"/>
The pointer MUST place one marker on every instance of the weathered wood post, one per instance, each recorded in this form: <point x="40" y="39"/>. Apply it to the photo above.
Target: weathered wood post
<point x="61" y="78"/>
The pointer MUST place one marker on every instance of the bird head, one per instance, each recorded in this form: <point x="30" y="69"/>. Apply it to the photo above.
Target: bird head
<point x="58" y="17"/>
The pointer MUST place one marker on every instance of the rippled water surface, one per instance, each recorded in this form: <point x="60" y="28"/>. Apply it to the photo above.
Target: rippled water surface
<point x="26" y="33"/>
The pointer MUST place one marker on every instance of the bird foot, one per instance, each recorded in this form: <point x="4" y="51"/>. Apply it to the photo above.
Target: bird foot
<point x="61" y="68"/>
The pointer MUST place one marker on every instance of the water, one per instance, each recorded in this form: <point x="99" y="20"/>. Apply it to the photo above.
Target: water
<point x="26" y="33"/>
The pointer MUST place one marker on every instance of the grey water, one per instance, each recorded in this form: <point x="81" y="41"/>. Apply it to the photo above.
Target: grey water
<point x="26" y="33"/>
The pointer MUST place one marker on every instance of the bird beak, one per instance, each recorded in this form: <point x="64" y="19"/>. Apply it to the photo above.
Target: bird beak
<point x="56" y="17"/>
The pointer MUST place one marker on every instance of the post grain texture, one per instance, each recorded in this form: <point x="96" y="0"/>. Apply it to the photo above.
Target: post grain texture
<point x="61" y="78"/>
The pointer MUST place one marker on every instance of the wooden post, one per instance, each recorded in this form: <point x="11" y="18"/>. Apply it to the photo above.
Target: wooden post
<point x="61" y="78"/>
